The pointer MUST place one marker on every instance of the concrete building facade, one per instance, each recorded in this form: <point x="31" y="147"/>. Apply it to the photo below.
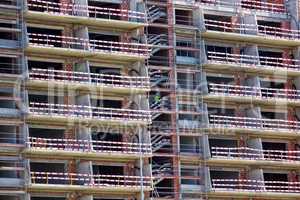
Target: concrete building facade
<point x="141" y="99"/>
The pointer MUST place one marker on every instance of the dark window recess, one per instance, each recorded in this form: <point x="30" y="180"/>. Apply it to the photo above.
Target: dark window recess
<point x="108" y="170"/>
<point x="9" y="65"/>
<point x="42" y="39"/>
<point x="103" y="13"/>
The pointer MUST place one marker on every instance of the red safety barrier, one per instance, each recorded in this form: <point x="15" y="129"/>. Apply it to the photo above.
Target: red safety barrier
<point x="96" y="180"/>
<point x="88" y="145"/>
<point x="251" y="4"/>
<point x="58" y="41"/>
<point x="266" y="31"/>
<point x="90" y="78"/>
<point x="89" y="112"/>
<point x="254" y="154"/>
<point x="258" y="92"/>
<point x="85" y="10"/>
<point x="253" y="123"/>
<point x="255" y="185"/>
<point x="253" y="61"/>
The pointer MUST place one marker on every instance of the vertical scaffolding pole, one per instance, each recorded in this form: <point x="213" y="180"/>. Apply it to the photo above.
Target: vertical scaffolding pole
<point x="172" y="65"/>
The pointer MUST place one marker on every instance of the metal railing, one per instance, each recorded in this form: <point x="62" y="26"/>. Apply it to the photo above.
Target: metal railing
<point x="255" y="185"/>
<point x="250" y="4"/>
<point x="90" y="78"/>
<point x="89" y="112"/>
<point x="254" y="154"/>
<point x="85" y="10"/>
<point x="225" y="26"/>
<point x="259" y="92"/>
<point x="97" y="180"/>
<point x="58" y="41"/>
<point x="252" y="29"/>
<point x="94" y="146"/>
<point x="253" y="61"/>
<point x="253" y="123"/>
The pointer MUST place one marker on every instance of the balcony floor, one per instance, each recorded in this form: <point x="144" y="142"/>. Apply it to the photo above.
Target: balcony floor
<point x="81" y="53"/>
<point x="113" y="89"/>
<point x="242" y="162"/>
<point x="63" y="120"/>
<point x="257" y="132"/>
<point x="243" y="67"/>
<point x="89" y="21"/>
<point x="258" y="39"/>
<point x="255" y="194"/>
<point x="58" y="188"/>
<point x="251" y="100"/>
<point x="72" y="154"/>
<point x="10" y="149"/>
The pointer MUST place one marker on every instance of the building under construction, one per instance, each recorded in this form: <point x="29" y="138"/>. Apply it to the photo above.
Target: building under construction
<point x="149" y="99"/>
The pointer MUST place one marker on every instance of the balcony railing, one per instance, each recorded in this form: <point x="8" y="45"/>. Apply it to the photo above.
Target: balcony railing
<point x="45" y="40"/>
<point x="117" y="81"/>
<point x="94" y="181"/>
<point x="89" y="112"/>
<point x="84" y="10"/>
<point x="250" y="4"/>
<point x="92" y="146"/>
<point x="254" y="61"/>
<point x="251" y="29"/>
<point x="254" y="154"/>
<point x="255" y="185"/>
<point x="253" y="123"/>
<point x="259" y="92"/>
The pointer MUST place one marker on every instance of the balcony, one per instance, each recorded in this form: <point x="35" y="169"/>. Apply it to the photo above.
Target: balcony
<point x="93" y="184"/>
<point x="43" y="78"/>
<point x="60" y="113"/>
<point x="252" y="64"/>
<point x="251" y="156"/>
<point x="251" y="33"/>
<point x="260" y="95"/>
<point x="255" y="188"/>
<point x="255" y="5"/>
<point x="92" y="149"/>
<point x="258" y="126"/>
<point x="85" y="15"/>
<point x="82" y="48"/>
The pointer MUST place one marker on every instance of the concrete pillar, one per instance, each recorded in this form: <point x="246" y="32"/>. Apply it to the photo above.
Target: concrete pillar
<point x="207" y="179"/>
<point x="205" y="118"/>
<point x="205" y="147"/>
<point x="296" y="83"/>
<point x="255" y="143"/>
<point x="251" y="50"/>
<point x="292" y="7"/>
<point x="80" y="8"/>
<point x="203" y="87"/>
<point x="256" y="174"/>
<point x="84" y="167"/>
<point x="254" y="82"/>
<point x="203" y="56"/>
<point x="250" y="19"/>
<point x="201" y="18"/>
<point x="254" y="112"/>
<point x="197" y="14"/>
<point x="82" y="33"/>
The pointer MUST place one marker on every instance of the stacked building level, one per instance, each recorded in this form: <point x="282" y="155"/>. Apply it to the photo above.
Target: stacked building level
<point x="149" y="99"/>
